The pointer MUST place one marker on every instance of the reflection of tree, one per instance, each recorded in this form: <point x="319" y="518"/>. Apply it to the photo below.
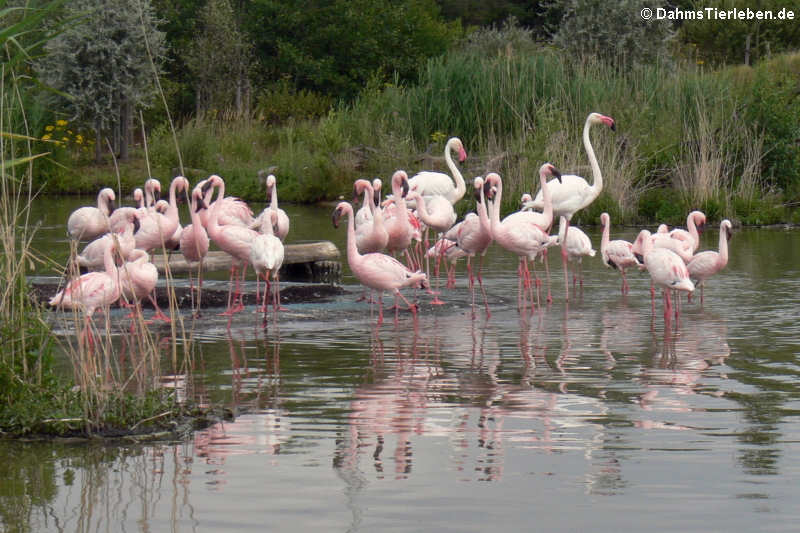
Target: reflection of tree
<point x="28" y="485"/>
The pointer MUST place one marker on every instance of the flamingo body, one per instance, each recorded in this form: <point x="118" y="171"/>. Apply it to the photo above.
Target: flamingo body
<point x="87" y="223"/>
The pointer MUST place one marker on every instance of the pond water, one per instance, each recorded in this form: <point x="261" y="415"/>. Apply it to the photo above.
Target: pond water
<point x="584" y="416"/>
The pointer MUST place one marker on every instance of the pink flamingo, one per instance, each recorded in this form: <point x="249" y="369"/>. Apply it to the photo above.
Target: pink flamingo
<point x="695" y="223"/>
<point x="517" y="234"/>
<point x="118" y="218"/>
<point x="92" y="257"/>
<point x="138" y="278"/>
<point x="371" y="234"/>
<point x="574" y="193"/>
<point x="617" y="254"/>
<point x="157" y="228"/>
<point x="266" y="255"/>
<point x="577" y="244"/>
<point x="473" y="235"/>
<point x="397" y="223"/>
<point x="234" y="239"/>
<point x="87" y="223"/>
<point x="436" y="213"/>
<point x="91" y="291"/>
<point x="194" y="239"/>
<point x="429" y="183"/>
<point x="232" y="210"/>
<point x="706" y="264"/>
<point x="666" y="269"/>
<point x="281" y="228"/>
<point x="152" y="193"/>
<point x="377" y="271"/>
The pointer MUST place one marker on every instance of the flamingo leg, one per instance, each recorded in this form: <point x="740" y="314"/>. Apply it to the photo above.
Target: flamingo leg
<point x="159" y="313"/>
<point x="547" y="275"/>
<point x="483" y="292"/>
<point x="564" y="260"/>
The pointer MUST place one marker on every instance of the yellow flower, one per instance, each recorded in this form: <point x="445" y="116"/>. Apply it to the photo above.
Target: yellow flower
<point x="46" y="137"/>
<point x="69" y="131"/>
<point x="79" y="138"/>
<point x="65" y="139"/>
<point x="61" y="122"/>
<point x="49" y="128"/>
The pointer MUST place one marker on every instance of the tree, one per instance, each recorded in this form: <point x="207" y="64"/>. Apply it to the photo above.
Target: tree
<point x="104" y="65"/>
<point x="220" y="58"/>
<point x="612" y="31"/>
<point x="335" y="46"/>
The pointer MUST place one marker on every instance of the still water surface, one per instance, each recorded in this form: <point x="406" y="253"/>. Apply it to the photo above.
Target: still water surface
<point x="588" y="416"/>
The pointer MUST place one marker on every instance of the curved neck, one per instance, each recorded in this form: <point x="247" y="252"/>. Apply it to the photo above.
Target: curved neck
<point x="495" y="211"/>
<point x="692" y="227"/>
<point x="597" y="176"/>
<point x="352" y="250"/>
<point x="723" y="245"/>
<point x="215" y="208"/>
<point x="108" y="262"/>
<point x="273" y="201"/>
<point x="606" y="235"/>
<point x="102" y="203"/>
<point x="483" y="214"/>
<point x="562" y="229"/>
<point x="422" y="210"/>
<point x="461" y="187"/>
<point x="172" y="210"/>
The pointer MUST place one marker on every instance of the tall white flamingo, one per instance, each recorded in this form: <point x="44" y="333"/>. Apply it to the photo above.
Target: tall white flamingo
<point x="574" y="193"/>
<point x="234" y="239"/>
<point x="430" y="183"/>
<point x="194" y="240"/>
<point x="281" y="228"/>
<point x="667" y="270"/>
<point x="377" y="271"/>
<point x="518" y="235"/>
<point x="87" y="223"/>
<point x="617" y="254"/>
<point x="706" y="264"/>
<point x="266" y="256"/>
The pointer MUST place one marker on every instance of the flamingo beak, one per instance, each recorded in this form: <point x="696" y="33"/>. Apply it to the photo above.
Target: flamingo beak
<point x="337" y="213"/>
<point x="555" y="172"/>
<point x="462" y="155"/>
<point x="610" y="123"/>
<point x="405" y="188"/>
<point x="206" y="186"/>
<point x="376" y="197"/>
<point x="111" y="206"/>
<point x="201" y="204"/>
<point x="355" y="194"/>
<point x="639" y="257"/>
<point x="136" y="224"/>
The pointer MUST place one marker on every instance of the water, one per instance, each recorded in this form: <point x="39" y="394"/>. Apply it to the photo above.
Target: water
<point x="586" y="416"/>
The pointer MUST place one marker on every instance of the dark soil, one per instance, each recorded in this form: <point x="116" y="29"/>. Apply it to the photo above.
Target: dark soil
<point x="214" y="297"/>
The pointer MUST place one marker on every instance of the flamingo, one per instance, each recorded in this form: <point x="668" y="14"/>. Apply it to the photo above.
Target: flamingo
<point x="232" y="210"/>
<point x="429" y="183"/>
<point x="577" y="244"/>
<point x="371" y="234"/>
<point x="618" y="253"/>
<point x="281" y="228"/>
<point x="92" y="257"/>
<point x="377" y="271"/>
<point x="234" y="239"/>
<point x="158" y="228"/>
<point x="397" y="223"/>
<point x="574" y="193"/>
<point x="194" y="238"/>
<point x="473" y="235"/>
<point x="91" y="291"/>
<point x="118" y="219"/>
<point x="543" y="220"/>
<point x="706" y="264"/>
<point x="266" y="255"/>
<point x="152" y="193"/>
<point x="516" y="234"/>
<point x="138" y="278"/>
<point x="87" y="223"/>
<point x="695" y="223"/>
<point x="666" y="269"/>
<point x="436" y="213"/>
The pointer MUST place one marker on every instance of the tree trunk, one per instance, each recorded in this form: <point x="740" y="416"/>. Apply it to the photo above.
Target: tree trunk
<point x="98" y="142"/>
<point x="125" y="127"/>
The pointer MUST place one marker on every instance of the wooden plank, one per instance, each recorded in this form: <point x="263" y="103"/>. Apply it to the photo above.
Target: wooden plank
<point x="311" y="252"/>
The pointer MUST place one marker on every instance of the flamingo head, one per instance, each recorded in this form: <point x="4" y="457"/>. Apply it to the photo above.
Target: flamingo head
<point x="525" y="198"/>
<point x="477" y="183"/>
<point x="455" y="143"/>
<point x="699" y="219"/>
<point x="153" y="186"/>
<point x="400" y="183"/>
<point x="376" y="191"/>
<point x="727" y="227"/>
<point x="271" y="181"/>
<point x="107" y="197"/>
<point x="162" y="206"/>
<point x="358" y="188"/>
<point x="641" y="245"/>
<point x="197" y="197"/>
<point x="662" y="228"/>
<point x="604" y="219"/>
<point x="138" y="196"/>
<point x="597" y="118"/>
<point x="342" y="209"/>
<point x="549" y="170"/>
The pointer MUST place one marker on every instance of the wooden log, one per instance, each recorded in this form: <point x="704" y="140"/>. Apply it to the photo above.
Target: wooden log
<point x="313" y="261"/>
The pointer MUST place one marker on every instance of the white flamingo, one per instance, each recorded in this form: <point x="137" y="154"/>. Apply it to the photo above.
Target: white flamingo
<point x="667" y="270"/>
<point x="574" y="193"/>
<point x="618" y="253"/>
<point x="281" y="228"/>
<point x="138" y="278"/>
<point x="578" y="245"/>
<point x="87" y="223"/>
<point x="157" y="228"/>
<point x="429" y="183"/>
<point x="371" y="234"/>
<point x="706" y="264"/>
<point x="266" y="256"/>
<point x="92" y="257"/>
<point x="194" y="240"/>
<point x="231" y="210"/>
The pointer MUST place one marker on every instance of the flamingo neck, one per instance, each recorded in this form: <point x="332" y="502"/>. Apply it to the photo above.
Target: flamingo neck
<point x="213" y="220"/>
<point x="108" y="262"/>
<point x="562" y="230"/>
<point x="483" y="215"/>
<point x="172" y="210"/>
<point x="692" y="227"/>
<point x="422" y="209"/>
<point x="273" y="201"/>
<point x="353" y="257"/>
<point x="723" y="246"/>
<point x="102" y="203"/>
<point x="494" y="212"/>
<point x="606" y="236"/>
<point x="597" y="176"/>
<point x="547" y="211"/>
<point x="461" y="186"/>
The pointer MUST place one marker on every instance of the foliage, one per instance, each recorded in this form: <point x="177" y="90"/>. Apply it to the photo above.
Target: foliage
<point x="103" y="64"/>
<point x="220" y="59"/>
<point x="280" y="102"/>
<point x="721" y="41"/>
<point x="613" y="32"/>
<point x="335" y="46"/>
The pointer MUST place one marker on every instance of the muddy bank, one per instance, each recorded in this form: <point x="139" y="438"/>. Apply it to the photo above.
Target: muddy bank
<point x="42" y="291"/>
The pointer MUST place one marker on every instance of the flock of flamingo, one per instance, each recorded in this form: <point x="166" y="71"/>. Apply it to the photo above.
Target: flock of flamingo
<point x="122" y="240"/>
